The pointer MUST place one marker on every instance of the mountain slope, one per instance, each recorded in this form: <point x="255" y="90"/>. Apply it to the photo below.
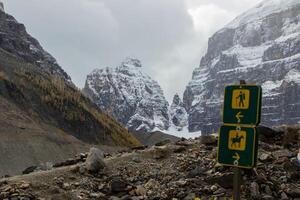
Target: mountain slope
<point x="129" y="95"/>
<point x="261" y="46"/>
<point x="43" y="117"/>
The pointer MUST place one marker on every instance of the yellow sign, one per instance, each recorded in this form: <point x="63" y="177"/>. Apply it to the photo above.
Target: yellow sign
<point x="237" y="140"/>
<point x="240" y="99"/>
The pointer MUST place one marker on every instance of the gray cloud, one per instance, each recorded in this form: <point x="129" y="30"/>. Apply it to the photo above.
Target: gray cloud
<point x="169" y="36"/>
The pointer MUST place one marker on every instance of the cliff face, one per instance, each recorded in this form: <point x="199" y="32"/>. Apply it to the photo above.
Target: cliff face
<point x="15" y="40"/>
<point x="262" y="47"/>
<point x="129" y="95"/>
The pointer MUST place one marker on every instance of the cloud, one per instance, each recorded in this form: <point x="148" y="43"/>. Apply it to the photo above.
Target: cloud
<point x="169" y="36"/>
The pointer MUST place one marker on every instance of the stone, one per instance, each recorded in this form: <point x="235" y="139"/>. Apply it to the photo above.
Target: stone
<point x="208" y="140"/>
<point x="283" y="196"/>
<point x="29" y="170"/>
<point x="265" y="157"/>
<point x="94" y="162"/>
<point x="190" y="196"/>
<point x="163" y="143"/>
<point x="160" y="153"/>
<point x="254" y="190"/>
<point x="140" y="191"/>
<point x="224" y="180"/>
<point x="118" y="185"/>
<point x="282" y="153"/>
<point x="24" y="186"/>
<point x="136" y="159"/>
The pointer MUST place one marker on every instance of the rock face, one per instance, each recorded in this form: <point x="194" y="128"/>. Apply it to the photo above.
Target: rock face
<point x="262" y="47"/>
<point x="129" y="95"/>
<point x="15" y="40"/>
<point x="178" y="113"/>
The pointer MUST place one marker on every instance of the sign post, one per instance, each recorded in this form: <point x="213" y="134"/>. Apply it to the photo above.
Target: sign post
<point x="238" y="140"/>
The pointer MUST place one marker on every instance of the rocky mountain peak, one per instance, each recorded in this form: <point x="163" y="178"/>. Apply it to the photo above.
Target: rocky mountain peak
<point x="178" y="114"/>
<point x="1" y="6"/>
<point x="129" y="95"/>
<point x="176" y="100"/>
<point x="131" y="62"/>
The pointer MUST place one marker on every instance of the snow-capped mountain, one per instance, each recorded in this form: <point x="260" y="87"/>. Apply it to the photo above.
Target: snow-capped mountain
<point x="178" y="114"/>
<point x="15" y="40"/>
<point x="131" y="96"/>
<point x="261" y="46"/>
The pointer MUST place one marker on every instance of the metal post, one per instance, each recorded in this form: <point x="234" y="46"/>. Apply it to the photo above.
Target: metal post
<point x="237" y="173"/>
<point x="236" y="183"/>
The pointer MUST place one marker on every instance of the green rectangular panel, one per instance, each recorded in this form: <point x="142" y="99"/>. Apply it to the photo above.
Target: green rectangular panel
<point x="242" y="104"/>
<point x="238" y="146"/>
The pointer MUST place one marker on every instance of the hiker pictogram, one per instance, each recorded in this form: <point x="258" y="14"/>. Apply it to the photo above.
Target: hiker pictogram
<point x="240" y="99"/>
<point x="237" y="140"/>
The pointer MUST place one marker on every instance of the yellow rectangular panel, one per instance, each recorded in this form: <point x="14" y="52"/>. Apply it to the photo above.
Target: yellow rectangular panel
<point x="237" y="140"/>
<point x="240" y="99"/>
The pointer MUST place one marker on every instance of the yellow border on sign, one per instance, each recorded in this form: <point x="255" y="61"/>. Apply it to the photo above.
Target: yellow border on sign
<point x="258" y="100"/>
<point x="253" y="150"/>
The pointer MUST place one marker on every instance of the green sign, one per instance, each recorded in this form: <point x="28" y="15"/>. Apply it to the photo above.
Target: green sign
<point x="237" y="146"/>
<point x="242" y="104"/>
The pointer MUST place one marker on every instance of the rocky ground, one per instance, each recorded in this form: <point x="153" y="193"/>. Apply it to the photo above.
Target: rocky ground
<point x="183" y="170"/>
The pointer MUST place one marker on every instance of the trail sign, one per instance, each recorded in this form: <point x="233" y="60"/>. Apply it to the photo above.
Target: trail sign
<point x="242" y="104"/>
<point x="238" y="146"/>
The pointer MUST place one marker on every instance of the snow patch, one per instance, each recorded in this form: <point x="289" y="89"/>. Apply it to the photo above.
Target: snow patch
<point x="262" y="10"/>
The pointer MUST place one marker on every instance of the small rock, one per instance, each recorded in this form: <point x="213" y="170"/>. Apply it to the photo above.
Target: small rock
<point x="162" y="143"/>
<point x="190" y="196"/>
<point x="24" y="186"/>
<point x="136" y="159"/>
<point x="140" y="191"/>
<point x="282" y="153"/>
<point x="254" y="189"/>
<point x="29" y="170"/>
<point x="283" y="196"/>
<point x="265" y="157"/>
<point x="208" y="140"/>
<point x="160" y="153"/>
<point x="118" y="185"/>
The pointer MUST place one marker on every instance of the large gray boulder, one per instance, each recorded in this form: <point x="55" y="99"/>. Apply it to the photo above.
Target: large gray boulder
<point x="94" y="162"/>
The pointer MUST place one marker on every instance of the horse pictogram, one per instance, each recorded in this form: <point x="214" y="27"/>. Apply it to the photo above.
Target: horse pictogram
<point x="237" y="140"/>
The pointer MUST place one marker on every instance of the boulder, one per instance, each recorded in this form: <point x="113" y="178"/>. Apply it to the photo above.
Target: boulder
<point x="94" y="162"/>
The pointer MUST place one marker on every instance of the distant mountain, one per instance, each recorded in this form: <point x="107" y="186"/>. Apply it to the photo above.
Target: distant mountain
<point x="178" y="114"/>
<point x="43" y="117"/>
<point x="261" y="46"/>
<point x="129" y="95"/>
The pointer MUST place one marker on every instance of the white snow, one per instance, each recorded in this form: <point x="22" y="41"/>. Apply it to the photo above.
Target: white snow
<point x="262" y="10"/>
<point x="249" y="57"/>
<point x="268" y="86"/>
<point x="293" y="75"/>
<point x="183" y="133"/>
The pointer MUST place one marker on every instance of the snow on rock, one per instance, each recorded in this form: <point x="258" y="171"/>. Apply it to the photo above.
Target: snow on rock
<point x="260" y="46"/>
<point x="129" y="95"/>
<point x="178" y="114"/>
<point x="261" y="11"/>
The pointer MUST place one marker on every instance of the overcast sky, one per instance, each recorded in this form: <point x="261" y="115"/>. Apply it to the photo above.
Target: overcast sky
<point x="168" y="36"/>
